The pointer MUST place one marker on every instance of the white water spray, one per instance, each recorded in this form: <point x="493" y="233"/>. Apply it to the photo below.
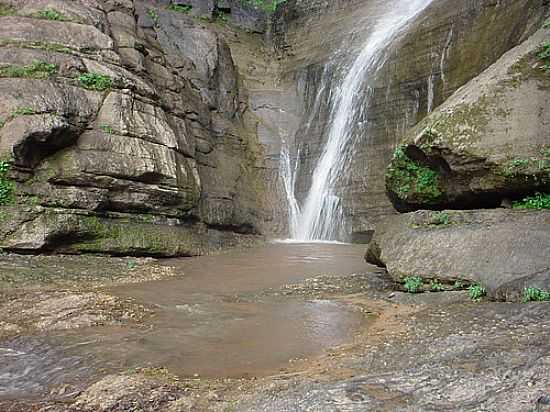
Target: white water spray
<point x="322" y="215"/>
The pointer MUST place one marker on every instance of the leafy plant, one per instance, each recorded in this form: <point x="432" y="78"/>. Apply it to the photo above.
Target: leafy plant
<point x="436" y="286"/>
<point x="544" y="55"/>
<point x="538" y="201"/>
<point x="180" y="8"/>
<point x="95" y="81"/>
<point x="23" y="111"/>
<point x="7" y="187"/>
<point x="476" y="292"/>
<point x="37" y="70"/>
<point x="440" y="218"/>
<point x="535" y="295"/>
<point x="154" y="16"/>
<point x="106" y="128"/>
<point x="132" y="264"/>
<point x="406" y="177"/>
<point x="2" y="123"/>
<point x="50" y="14"/>
<point x="413" y="284"/>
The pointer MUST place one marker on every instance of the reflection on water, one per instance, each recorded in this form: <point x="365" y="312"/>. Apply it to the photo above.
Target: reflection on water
<point x="204" y="326"/>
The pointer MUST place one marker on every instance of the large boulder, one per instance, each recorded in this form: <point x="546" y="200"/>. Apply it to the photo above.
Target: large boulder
<point x="503" y="250"/>
<point x="488" y="142"/>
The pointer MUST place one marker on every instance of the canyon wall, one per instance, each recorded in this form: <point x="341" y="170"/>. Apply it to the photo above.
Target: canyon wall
<point x="155" y="127"/>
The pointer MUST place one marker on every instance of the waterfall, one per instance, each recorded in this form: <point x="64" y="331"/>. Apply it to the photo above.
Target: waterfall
<point x="321" y="217"/>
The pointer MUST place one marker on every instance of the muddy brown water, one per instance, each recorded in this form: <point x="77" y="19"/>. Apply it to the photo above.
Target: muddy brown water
<point x="212" y="320"/>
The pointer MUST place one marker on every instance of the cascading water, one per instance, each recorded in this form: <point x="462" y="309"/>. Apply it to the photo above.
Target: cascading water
<point x="321" y="217"/>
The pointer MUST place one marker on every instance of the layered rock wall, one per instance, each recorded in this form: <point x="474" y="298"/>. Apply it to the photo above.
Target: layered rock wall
<point x="133" y="142"/>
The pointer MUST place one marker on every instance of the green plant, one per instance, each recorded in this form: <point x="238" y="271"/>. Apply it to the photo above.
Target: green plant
<point x="544" y="55"/>
<point x="23" y="111"/>
<point x="106" y="128"/>
<point x="2" y="123"/>
<point x="6" y="10"/>
<point x="154" y="16"/>
<point x="436" y="286"/>
<point x="458" y="285"/>
<point x="95" y="81"/>
<point x="535" y="295"/>
<point x="440" y="218"/>
<point x="413" y="284"/>
<point x="50" y="14"/>
<point x="538" y="201"/>
<point x="221" y="16"/>
<point x="476" y="292"/>
<point x="545" y="51"/>
<point x="180" y="8"/>
<point x="405" y="177"/>
<point x="132" y="264"/>
<point x="7" y="187"/>
<point x="37" y="70"/>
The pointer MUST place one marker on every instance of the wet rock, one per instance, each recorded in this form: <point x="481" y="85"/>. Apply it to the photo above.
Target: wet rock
<point x="47" y="311"/>
<point x="503" y="250"/>
<point x="478" y="357"/>
<point x="126" y="393"/>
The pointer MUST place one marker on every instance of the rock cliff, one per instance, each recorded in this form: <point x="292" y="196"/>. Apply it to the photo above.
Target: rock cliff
<point x="155" y="127"/>
<point x="123" y="123"/>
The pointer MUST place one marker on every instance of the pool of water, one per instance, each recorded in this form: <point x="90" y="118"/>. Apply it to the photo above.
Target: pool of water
<point x="212" y="320"/>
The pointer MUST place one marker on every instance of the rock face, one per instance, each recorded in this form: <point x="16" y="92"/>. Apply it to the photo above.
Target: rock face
<point x="124" y="127"/>
<point x="452" y="42"/>
<point x="143" y="127"/>
<point x="488" y="142"/>
<point x="504" y="250"/>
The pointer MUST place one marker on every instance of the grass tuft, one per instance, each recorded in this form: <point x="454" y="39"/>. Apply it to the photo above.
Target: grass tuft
<point x="50" y="14"/>
<point x="536" y="295"/>
<point x="413" y="284"/>
<point x="538" y="201"/>
<point x="95" y="81"/>
<point x="476" y="292"/>
<point x="36" y="70"/>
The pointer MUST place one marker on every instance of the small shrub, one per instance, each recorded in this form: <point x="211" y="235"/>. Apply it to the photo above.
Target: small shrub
<point x="37" y="70"/>
<point x="154" y="16"/>
<point x="50" y="14"/>
<point x="544" y="55"/>
<point x="7" y="187"/>
<point x="407" y="178"/>
<point x="436" y="286"/>
<point x="535" y="295"/>
<point x="440" y="218"/>
<point x="132" y="264"/>
<point x="23" y="111"/>
<point x="538" y="201"/>
<point x="2" y="123"/>
<point x="180" y="8"/>
<point x="107" y="128"/>
<point x="476" y="292"/>
<point x="413" y="284"/>
<point x="95" y="81"/>
<point x="545" y="51"/>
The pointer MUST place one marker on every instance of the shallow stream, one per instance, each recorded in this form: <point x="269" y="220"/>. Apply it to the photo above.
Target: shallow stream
<point x="219" y="318"/>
